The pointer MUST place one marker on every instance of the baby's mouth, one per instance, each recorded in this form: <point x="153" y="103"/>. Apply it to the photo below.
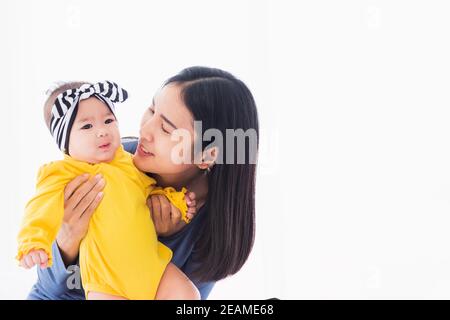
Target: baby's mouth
<point x="105" y="146"/>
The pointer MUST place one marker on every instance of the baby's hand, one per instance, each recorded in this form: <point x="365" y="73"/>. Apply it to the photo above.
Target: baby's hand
<point x="34" y="257"/>
<point x="191" y="204"/>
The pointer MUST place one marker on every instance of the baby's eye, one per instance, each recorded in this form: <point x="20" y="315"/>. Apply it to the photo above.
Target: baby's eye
<point x="86" y="126"/>
<point x="151" y="110"/>
<point x="109" y="121"/>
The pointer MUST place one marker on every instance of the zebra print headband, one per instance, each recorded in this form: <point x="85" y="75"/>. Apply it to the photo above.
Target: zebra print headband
<point x="65" y="107"/>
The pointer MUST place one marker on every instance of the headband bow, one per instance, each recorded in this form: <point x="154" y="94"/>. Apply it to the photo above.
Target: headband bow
<point x="65" y="107"/>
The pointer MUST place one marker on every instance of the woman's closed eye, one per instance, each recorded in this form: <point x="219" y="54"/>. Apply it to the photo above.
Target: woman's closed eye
<point x="162" y="125"/>
<point x="164" y="130"/>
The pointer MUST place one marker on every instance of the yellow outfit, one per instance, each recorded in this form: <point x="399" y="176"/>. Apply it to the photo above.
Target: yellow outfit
<point x="120" y="254"/>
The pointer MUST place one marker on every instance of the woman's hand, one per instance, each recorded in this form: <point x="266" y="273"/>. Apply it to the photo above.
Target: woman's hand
<point x="81" y="197"/>
<point x="166" y="217"/>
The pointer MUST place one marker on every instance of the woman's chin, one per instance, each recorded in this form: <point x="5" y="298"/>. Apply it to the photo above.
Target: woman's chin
<point x="138" y="162"/>
<point x="141" y="164"/>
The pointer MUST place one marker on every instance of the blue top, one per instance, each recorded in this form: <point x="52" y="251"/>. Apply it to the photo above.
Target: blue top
<point x="52" y="282"/>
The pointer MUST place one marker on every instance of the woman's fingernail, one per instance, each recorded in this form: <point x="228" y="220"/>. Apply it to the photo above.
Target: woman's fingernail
<point x="99" y="195"/>
<point x="98" y="176"/>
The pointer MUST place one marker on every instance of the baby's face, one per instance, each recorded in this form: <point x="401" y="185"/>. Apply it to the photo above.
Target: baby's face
<point x="95" y="134"/>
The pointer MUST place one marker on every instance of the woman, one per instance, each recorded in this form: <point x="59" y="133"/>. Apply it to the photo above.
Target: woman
<point x="219" y="238"/>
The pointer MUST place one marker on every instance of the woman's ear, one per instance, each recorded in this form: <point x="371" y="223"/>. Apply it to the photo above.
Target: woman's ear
<point x="209" y="158"/>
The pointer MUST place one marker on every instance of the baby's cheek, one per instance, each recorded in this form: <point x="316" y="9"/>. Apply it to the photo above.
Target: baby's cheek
<point x="115" y="135"/>
<point x="117" y="142"/>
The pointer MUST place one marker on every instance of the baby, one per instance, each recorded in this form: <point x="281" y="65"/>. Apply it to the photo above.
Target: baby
<point x="120" y="256"/>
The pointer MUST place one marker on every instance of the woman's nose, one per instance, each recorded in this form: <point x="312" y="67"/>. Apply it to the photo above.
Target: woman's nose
<point x="146" y="131"/>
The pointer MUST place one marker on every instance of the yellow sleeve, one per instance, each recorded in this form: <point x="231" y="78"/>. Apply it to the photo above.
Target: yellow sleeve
<point x="176" y="197"/>
<point x="43" y="213"/>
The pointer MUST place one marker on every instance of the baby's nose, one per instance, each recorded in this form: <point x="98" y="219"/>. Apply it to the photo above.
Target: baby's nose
<point x="101" y="133"/>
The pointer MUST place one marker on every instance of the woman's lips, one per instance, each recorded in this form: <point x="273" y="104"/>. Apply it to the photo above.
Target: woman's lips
<point x="143" y="152"/>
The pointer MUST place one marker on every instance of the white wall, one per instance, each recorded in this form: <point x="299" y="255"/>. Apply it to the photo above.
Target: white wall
<point x="353" y="96"/>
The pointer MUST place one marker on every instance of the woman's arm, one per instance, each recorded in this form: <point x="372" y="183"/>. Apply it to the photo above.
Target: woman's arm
<point x="81" y="197"/>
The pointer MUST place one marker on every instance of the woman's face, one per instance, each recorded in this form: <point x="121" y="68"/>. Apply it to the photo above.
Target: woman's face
<point x="155" y="149"/>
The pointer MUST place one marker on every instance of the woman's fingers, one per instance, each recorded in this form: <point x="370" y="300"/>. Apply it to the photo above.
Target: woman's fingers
<point x="81" y="200"/>
<point x="155" y="209"/>
<point x="90" y="197"/>
<point x="175" y="214"/>
<point x="81" y="192"/>
<point x="165" y="208"/>
<point x="87" y="214"/>
<point x="166" y="217"/>
<point x="74" y="184"/>
<point x="150" y="207"/>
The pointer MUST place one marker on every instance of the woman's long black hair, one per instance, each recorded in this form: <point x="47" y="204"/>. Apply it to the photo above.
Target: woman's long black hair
<point x="221" y="101"/>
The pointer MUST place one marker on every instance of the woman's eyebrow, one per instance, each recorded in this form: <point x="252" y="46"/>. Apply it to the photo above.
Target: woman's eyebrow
<point x="169" y="122"/>
<point x="164" y="117"/>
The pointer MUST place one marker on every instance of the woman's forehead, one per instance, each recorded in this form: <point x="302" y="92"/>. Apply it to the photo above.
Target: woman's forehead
<point x="169" y="103"/>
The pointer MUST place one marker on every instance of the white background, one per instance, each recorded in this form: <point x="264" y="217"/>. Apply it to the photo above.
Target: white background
<point x="354" y="103"/>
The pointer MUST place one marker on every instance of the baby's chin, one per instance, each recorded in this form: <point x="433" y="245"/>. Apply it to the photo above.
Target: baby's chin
<point x="104" y="158"/>
<point x="99" y="157"/>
